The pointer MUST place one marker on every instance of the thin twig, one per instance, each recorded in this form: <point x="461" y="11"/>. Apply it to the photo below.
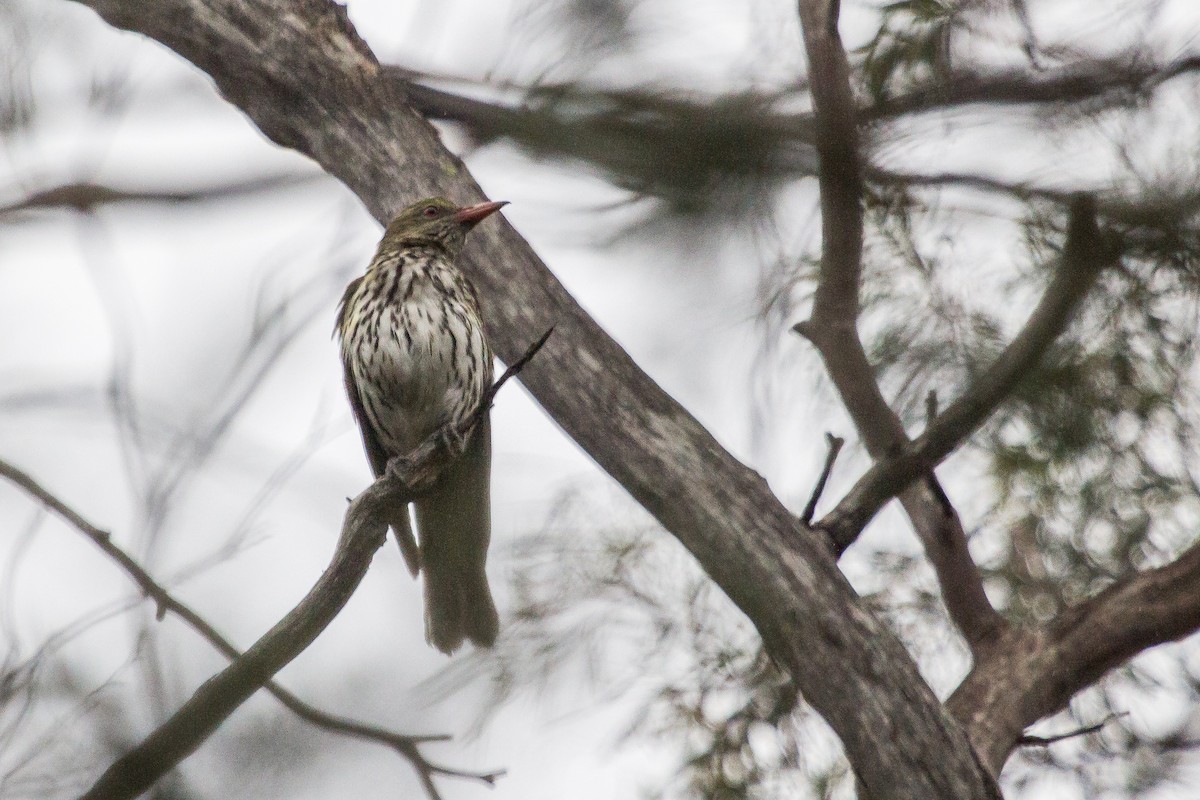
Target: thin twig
<point x="87" y="197"/>
<point x="513" y="369"/>
<point x="1043" y="741"/>
<point x="835" y="446"/>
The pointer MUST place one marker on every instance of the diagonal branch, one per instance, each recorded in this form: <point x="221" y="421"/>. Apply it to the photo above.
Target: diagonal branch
<point x="363" y="532"/>
<point x="299" y="71"/>
<point x="1083" y="259"/>
<point x="1145" y="609"/>
<point x="406" y="745"/>
<point x="833" y="328"/>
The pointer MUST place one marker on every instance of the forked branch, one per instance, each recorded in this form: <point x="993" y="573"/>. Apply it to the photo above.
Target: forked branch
<point x="833" y="326"/>
<point x="1084" y="257"/>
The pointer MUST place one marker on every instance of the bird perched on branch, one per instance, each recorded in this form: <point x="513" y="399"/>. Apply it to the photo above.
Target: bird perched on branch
<point x="415" y="359"/>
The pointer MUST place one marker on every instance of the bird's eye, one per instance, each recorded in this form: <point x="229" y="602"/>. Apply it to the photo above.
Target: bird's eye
<point x="430" y="211"/>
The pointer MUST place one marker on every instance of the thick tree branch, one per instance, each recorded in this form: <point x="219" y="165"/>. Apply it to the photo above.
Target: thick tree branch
<point x="405" y="745"/>
<point x="1084" y="256"/>
<point x="833" y="328"/>
<point x="1036" y="672"/>
<point x="299" y="71"/>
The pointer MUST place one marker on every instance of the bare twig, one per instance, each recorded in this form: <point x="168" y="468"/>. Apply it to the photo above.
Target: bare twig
<point x="1084" y="257"/>
<point x="407" y="745"/>
<point x="1044" y="741"/>
<point x="835" y="446"/>
<point x="363" y="532"/>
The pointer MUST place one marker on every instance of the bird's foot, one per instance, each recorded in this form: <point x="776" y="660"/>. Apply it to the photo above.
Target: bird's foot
<point x="452" y="439"/>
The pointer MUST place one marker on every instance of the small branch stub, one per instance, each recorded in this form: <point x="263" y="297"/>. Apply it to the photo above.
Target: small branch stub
<point x="835" y="446"/>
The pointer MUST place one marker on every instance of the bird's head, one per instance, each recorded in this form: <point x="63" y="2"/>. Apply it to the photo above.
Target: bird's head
<point x="436" y="221"/>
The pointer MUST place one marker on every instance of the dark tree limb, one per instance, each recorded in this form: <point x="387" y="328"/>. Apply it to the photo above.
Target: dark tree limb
<point x="1084" y="257"/>
<point x="298" y="70"/>
<point x="1125" y="77"/>
<point x="833" y="328"/>
<point x="1131" y="74"/>
<point x="1034" y="673"/>
<point x="406" y="745"/>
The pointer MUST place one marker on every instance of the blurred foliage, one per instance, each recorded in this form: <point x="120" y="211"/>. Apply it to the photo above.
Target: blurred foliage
<point x="912" y="45"/>
<point x="624" y="612"/>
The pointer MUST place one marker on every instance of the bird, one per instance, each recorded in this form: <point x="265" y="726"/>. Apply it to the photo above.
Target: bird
<point x="415" y="359"/>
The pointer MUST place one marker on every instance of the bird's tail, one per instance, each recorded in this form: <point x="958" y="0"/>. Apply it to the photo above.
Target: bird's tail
<point x="402" y="530"/>
<point x="454" y="523"/>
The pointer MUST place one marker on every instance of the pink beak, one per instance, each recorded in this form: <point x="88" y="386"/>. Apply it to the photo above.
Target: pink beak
<point x="471" y="215"/>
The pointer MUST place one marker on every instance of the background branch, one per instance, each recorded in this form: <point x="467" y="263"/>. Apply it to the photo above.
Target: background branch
<point x="88" y="196"/>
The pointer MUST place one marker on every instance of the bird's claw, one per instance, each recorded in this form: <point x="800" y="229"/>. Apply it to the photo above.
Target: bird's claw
<point x="452" y="439"/>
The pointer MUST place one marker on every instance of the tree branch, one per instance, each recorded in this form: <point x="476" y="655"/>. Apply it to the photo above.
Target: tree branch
<point x="544" y="128"/>
<point x="363" y="532"/>
<point x="1036" y="672"/>
<point x="1083" y="259"/>
<point x="1131" y="73"/>
<point x="90" y="196"/>
<point x="1045" y="741"/>
<point x="833" y="329"/>
<point x="406" y="745"/>
<point x="299" y="71"/>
